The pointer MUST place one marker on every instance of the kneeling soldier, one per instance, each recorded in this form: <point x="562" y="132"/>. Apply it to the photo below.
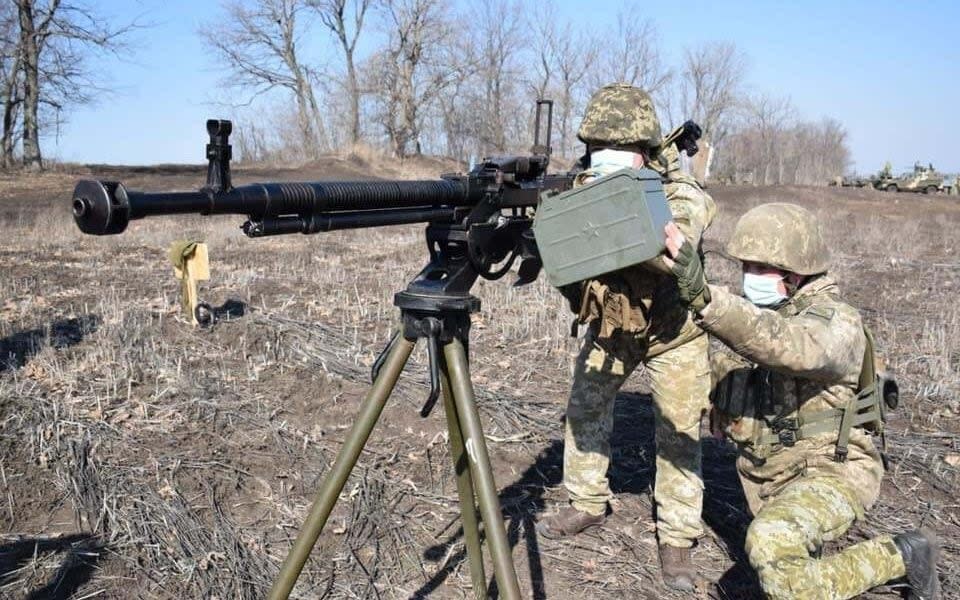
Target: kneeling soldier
<point x="797" y="407"/>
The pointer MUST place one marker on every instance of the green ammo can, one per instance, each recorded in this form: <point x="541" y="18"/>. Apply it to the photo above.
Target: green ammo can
<point x="614" y="222"/>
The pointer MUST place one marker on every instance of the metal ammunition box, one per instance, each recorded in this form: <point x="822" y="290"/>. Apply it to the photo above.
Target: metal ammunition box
<point x="612" y="223"/>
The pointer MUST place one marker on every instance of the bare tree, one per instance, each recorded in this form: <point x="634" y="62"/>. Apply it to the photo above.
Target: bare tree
<point x="32" y="38"/>
<point x="498" y="44"/>
<point x="544" y="34"/>
<point x="770" y="117"/>
<point x="711" y="86"/>
<point x="456" y="101"/>
<point x="630" y="53"/>
<point x="55" y="39"/>
<point x="259" y="43"/>
<point x="564" y="58"/>
<point x="832" y="150"/>
<point x="410" y="73"/>
<point x="345" y="19"/>
<point x="769" y="145"/>
<point x="10" y="78"/>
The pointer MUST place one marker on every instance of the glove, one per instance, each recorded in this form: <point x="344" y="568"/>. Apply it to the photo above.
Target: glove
<point x="688" y="269"/>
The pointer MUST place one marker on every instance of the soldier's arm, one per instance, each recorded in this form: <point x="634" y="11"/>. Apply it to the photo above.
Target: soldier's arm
<point x="692" y="208"/>
<point x="723" y="362"/>
<point x="824" y="344"/>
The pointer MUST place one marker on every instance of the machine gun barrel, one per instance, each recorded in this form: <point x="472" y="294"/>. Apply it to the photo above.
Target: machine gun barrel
<point x="104" y="207"/>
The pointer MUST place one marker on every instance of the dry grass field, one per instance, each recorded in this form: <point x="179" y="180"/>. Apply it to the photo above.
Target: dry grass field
<point x="143" y="458"/>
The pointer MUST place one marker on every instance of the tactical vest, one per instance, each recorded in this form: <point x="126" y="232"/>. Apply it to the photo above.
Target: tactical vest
<point x="623" y="300"/>
<point x="758" y="434"/>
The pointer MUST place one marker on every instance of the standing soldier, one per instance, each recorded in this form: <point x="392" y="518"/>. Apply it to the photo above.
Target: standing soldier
<point x="634" y="317"/>
<point x="798" y="404"/>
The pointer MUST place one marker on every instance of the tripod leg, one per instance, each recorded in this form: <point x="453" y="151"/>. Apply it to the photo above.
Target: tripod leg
<point x="468" y="507"/>
<point x="476" y="446"/>
<point x="336" y="478"/>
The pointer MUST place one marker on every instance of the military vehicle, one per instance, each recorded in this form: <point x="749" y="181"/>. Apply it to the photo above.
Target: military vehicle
<point x="951" y="185"/>
<point x="850" y="181"/>
<point x="922" y="179"/>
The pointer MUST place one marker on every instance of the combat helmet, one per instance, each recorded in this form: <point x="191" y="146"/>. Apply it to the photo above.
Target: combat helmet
<point x="620" y="115"/>
<point x="785" y="236"/>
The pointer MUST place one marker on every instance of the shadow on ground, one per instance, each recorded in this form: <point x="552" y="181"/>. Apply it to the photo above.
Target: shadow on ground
<point x="78" y="557"/>
<point x="17" y="349"/>
<point x="631" y="473"/>
<point x="725" y="511"/>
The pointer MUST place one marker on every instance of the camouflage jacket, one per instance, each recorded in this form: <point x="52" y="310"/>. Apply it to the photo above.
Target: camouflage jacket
<point x="643" y="299"/>
<point x="802" y="359"/>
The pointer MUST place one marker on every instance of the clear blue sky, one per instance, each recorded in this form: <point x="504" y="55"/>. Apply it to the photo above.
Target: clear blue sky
<point x="887" y="70"/>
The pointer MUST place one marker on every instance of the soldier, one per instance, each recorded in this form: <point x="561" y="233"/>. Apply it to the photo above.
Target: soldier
<point x="634" y="317"/>
<point x="796" y="403"/>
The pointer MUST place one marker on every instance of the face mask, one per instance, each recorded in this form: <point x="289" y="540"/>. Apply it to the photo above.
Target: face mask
<point x="762" y="291"/>
<point x="608" y="161"/>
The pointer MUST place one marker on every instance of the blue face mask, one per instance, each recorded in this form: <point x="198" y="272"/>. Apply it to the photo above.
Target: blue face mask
<point x="761" y="290"/>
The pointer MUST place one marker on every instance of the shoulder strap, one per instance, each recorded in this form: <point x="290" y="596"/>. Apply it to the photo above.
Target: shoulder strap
<point x="866" y="409"/>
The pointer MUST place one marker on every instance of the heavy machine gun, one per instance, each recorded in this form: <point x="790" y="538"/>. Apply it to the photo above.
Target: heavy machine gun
<point x="483" y="215"/>
<point x="478" y="224"/>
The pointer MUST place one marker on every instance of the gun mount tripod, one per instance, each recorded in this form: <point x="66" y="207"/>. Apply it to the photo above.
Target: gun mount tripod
<point x="477" y="222"/>
<point x="436" y="306"/>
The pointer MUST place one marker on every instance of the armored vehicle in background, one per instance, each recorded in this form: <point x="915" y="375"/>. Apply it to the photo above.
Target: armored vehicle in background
<point x="851" y="181"/>
<point x="922" y="179"/>
<point x="951" y="185"/>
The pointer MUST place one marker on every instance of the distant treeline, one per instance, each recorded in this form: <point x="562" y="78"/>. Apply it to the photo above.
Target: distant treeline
<point x="406" y="77"/>
<point x="460" y="79"/>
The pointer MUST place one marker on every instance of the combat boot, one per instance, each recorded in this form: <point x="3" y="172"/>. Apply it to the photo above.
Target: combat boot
<point x="568" y="521"/>
<point x="919" y="549"/>
<point x="677" y="568"/>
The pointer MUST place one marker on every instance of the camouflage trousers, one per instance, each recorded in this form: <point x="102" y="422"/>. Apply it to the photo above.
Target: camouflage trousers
<point x="792" y="527"/>
<point x="680" y="381"/>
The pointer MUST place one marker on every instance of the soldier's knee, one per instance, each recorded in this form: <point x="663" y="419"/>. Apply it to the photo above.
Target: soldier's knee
<point x="770" y="540"/>
<point x="776" y="551"/>
<point x="792" y="578"/>
<point x="789" y="582"/>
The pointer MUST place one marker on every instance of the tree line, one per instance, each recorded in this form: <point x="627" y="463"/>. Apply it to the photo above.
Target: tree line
<point x="460" y="79"/>
<point x="409" y="77"/>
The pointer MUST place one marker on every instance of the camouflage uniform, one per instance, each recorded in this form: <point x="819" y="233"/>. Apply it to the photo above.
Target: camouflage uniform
<point x="805" y="359"/>
<point x="658" y="333"/>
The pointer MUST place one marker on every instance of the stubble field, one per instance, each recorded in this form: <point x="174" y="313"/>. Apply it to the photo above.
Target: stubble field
<point x="143" y="458"/>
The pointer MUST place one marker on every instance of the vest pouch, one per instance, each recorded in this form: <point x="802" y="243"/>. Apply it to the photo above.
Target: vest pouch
<point x="735" y="400"/>
<point x="612" y="300"/>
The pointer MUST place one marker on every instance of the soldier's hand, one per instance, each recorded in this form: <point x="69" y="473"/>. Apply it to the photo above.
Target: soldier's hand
<point x="685" y="264"/>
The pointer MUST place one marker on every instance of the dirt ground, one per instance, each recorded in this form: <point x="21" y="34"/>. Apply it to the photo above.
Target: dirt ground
<point x="143" y="458"/>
